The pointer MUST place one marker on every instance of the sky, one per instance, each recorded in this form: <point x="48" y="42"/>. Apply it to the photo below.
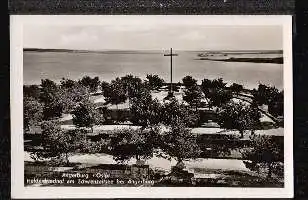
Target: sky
<point x="153" y="37"/>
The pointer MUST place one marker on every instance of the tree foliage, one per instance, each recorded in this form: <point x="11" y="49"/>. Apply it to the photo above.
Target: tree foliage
<point x="105" y="87"/>
<point x="193" y="96"/>
<point x="33" y="112"/>
<point x="31" y="91"/>
<point x="132" y="85"/>
<point x="49" y="91"/>
<point x="215" y="91"/>
<point x="154" y="81"/>
<point x="236" y="88"/>
<point x="265" y="152"/>
<point x="270" y="96"/>
<point x="67" y="83"/>
<point x="265" y="94"/>
<point x="91" y="83"/>
<point x="128" y="143"/>
<point x="72" y="95"/>
<point x="276" y="106"/>
<point x="63" y="98"/>
<point x="57" y="143"/>
<point x="115" y="92"/>
<point x="180" y="143"/>
<point x="189" y="81"/>
<point x="239" y="116"/>
<point x="173" y="111"/>
<point x="49" y="96"/>
<point x="145" y="111"/>
<point x="85" y="115"/>
<point x="216" y="83"/>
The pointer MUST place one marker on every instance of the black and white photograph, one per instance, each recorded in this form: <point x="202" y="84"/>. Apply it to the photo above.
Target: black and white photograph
<point x="150" y="104"/>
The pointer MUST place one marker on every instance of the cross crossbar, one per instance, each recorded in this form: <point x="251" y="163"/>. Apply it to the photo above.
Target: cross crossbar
<point x="174" y="54"/>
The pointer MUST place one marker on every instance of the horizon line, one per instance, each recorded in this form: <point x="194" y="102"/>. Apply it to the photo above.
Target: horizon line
<point x="98" y="50"/>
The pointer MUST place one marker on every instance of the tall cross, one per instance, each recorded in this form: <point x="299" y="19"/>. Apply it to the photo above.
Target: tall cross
<point x="171" y="54"/>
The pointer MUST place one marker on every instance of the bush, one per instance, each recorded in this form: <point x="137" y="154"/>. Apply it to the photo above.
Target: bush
<point x="265" y="152"/>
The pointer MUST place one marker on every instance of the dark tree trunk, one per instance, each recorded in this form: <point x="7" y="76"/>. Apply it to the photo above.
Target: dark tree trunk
<point x="269" y="174"/>
<point x="139" y="161"/>
<point x="242" y="133"/>
<point x="66" y="158"/>
<point x="129" y="103"/>
<point x="29" y="128"/>
<point x="180" y="164"/>
<point x="198" y="117"/>
<point x="117" y="114"/>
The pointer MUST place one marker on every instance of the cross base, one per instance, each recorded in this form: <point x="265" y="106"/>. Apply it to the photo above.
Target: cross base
<point x="169" y="96"/>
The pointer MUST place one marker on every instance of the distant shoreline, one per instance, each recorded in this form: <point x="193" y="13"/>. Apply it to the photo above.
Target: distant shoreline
<point x="277" y="60"/>
<point x="153" y="51"/>
<point x="90" y="51"/>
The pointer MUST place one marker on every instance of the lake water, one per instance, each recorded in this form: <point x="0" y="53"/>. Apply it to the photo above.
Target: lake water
<point x="55" y="65"/>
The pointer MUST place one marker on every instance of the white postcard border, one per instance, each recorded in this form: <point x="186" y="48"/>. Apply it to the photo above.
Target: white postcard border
<point x="16" y="70"/>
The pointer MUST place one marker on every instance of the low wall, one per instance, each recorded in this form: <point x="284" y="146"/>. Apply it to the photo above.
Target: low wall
<point x="39" y="173"/>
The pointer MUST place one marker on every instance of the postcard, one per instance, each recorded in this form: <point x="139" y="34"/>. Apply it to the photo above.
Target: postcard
<point x="151" y="106"/>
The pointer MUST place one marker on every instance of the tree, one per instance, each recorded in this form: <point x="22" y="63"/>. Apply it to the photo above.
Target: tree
<point x="154" y="81"/>
<point x="91" y="83"/>
<point x="218" y="83"/>
<point x="106" y="88"/>
<point x="236" y="88"/>
<point x="276" y="106"/>
<point x="100" y="146"/>
<point x="31" y="91"/>
<point x="61" y="99"/>
<point x="49" y="96"/>
<point x="33" y="112"/>
<point x="145" y="111"/>
<point x="254" y="117"/>
<point x="52" y="110"/>
<point x="261" y="94"/>
<point x="67" y="83"/>
<point x="206" y="84"/>
<point x="180" y="143"/>
<point x="132" y="85"/>
<point x="72" y="96"/>
<point x="239" y="116"/>
<point x="49" y="91"/>
<point x="193" y="96"/>
<point x="117" y="93"/>
<point x="215" y="91"/>
<point x="265" y="94"/>
<point x="220" y="97"/>
<point x="265" y="152"/>
<point x="188" y="81"/>
<point x="57" y="143"/>
<point x="173" y="111"/>
<point x="270" y="96"/>
<point x="127" y="143"/>
<point x="85" y="115"/>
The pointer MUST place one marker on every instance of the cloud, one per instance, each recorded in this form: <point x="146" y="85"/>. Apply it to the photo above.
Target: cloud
<point x="129" y="28"/>
<point x="148" y="36"/>
<point x="193" y="35"/>
<point x="81" y="38"/>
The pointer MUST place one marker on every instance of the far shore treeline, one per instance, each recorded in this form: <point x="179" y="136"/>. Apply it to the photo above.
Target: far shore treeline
<point x="163" y="127"/>
<point x="231" y="52"/>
